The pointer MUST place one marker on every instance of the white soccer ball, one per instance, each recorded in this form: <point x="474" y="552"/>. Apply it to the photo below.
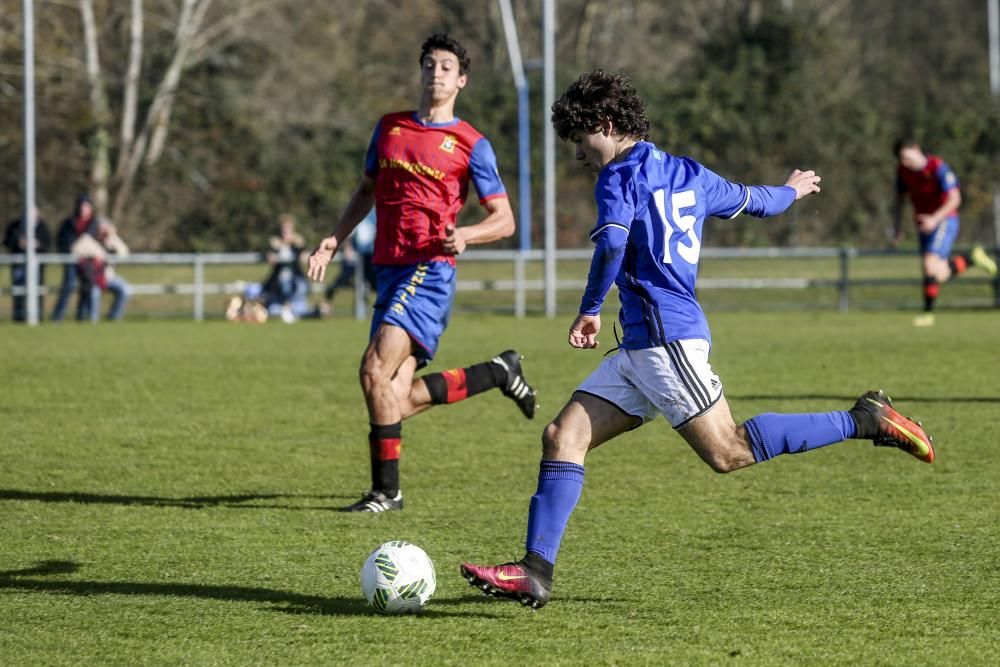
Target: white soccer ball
<point x="398" y="578"/>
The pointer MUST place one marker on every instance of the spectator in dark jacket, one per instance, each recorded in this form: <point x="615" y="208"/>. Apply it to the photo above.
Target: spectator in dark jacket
<point x="83" y="221"/>
<point x="15" y="240"/>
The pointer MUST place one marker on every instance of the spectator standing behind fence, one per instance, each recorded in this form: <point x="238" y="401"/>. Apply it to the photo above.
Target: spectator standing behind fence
<point x="81" y="221"/>
<point x="286" y="288"/>
<point x="15" y="240"/>
<point x="96" y="274"/>
<point x="358" y="253"/>
<point x="934" y="192"/>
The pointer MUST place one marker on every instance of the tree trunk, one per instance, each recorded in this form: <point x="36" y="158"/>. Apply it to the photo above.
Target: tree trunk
<point x="590" y="11"/>
<point x="158" y="116"/>
<point x="99" y="140"/>
<point x="185" y="40"/>
<point x="131" y="97"/>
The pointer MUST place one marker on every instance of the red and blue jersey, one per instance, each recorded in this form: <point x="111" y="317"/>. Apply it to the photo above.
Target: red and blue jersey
<point x="422" y="173"/>
<point x="929" y="187"/>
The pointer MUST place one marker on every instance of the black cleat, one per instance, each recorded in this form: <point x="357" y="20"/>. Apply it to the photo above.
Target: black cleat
<point x="517" y="388"/>
<point x="375" y="501"/>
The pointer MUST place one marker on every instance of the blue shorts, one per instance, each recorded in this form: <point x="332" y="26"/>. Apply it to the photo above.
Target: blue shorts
<point x="940" y="241"/>
<point x="417" y="298"/>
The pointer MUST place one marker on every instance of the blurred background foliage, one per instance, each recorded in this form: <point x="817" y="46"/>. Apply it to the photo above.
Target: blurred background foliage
<point x="276" y="104"/>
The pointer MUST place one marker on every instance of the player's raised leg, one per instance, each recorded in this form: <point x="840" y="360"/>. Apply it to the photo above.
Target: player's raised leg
<point x="981" y="260"/>
<point x="941" y="265"/>
<point x="584" y="423"/>
<point x="502" y="371"/>
<point x="393" y="395"/>
<point x="726" y="447"/>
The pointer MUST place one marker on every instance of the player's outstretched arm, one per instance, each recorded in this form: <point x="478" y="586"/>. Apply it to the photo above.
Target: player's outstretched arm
<point x="726" y="199"/>
<point x="357" y="208"/>
<point x="804" y="182"/>
<point x="498" y="224"/>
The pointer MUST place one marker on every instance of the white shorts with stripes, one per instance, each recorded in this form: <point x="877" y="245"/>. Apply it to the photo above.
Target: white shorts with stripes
<point x="674" y="380"/>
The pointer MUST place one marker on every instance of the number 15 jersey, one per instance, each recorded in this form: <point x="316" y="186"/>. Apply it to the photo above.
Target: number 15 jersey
<point x="656" y="204"/>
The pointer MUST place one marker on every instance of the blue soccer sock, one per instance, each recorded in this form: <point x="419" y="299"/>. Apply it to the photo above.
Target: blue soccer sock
<point x="559" y="487"/>
<point x="772" y="434"/>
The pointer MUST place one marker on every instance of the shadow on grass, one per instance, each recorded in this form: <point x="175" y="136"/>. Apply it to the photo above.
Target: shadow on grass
<point x="474" y="598"/>
<point x="240" y="501"/>
<point x="850" y="398"/>
<point x="28" y="579"/>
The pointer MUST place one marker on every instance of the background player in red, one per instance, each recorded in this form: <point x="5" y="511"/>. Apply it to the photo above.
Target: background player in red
<point x="934" y="192"/>
<point x="417" y="173"/>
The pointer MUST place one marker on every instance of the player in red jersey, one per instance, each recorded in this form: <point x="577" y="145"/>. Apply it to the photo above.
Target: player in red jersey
<point x="417" y="173"/>
<point x="934" y="192"/>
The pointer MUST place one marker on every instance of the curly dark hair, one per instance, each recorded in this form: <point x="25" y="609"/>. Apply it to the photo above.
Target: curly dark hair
<point x="440" y="41"/>
<point x="904" y="142"/>
<point x="596" y="98"/>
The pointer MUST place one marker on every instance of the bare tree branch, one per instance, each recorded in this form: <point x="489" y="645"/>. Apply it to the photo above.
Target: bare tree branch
<point x="157" y="122"/>
<point x="586" y="29"/>
<point x="697" y="26"/>
<point x="63" y="3"/>
<point x="831" y="11"/>
<point x="185" y="39"/>
<point x="98" y="106"/>
<point x="131" y="96"/>
<point x="205" y="39"/>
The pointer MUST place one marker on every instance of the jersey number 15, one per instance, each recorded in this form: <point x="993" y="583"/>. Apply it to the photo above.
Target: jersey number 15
<point x="682" y="223"/>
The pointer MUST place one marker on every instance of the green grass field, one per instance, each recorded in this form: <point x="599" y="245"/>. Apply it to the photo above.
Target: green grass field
<point x="167" y="493"/>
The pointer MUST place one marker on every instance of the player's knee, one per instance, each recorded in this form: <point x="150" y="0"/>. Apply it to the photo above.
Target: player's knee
<point x="372" y="370"/>
<point x="721" y="463"/>
<point x="934" y="265"/>
<point x="730" y="458"/>
<point x="558" y="442"/>
<point x="549" y="437"/>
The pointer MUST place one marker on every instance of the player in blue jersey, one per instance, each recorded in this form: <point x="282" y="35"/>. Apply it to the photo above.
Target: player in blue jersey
<point x="650" y="210"/>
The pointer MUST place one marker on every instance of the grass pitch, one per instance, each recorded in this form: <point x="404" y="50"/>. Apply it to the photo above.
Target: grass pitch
<point x="167" y="493"/>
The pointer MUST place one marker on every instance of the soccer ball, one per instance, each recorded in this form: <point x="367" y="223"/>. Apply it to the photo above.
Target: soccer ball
<point x="398" y="578"/>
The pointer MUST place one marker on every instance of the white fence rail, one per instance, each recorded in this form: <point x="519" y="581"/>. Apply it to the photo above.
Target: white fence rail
<point x="199" y="288"/>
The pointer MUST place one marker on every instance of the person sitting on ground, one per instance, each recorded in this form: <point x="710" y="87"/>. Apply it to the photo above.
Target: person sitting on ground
<point x="286" y="287"/>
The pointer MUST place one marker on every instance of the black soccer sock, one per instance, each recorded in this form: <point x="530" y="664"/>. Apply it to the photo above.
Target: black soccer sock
<point x="931" y="291"/>
<point x="461" y="383"/>
<point x="385" y="442"/>
<point x="866" y="423"/>
<point x="538" y="566"/>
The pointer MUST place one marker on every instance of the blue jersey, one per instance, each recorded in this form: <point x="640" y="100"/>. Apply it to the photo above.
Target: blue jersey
<point x="651" y="207"/>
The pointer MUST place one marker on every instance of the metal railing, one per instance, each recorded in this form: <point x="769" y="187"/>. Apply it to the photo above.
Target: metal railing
<point x="518" y="284"/>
